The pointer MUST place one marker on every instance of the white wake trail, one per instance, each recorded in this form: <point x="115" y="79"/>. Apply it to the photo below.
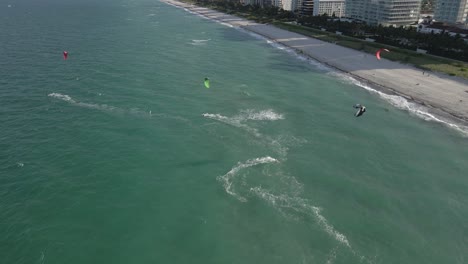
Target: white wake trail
<point x="227" y="179"/>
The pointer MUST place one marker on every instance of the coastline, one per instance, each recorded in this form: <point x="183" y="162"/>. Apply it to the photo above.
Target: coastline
<point x="443" y="95"/>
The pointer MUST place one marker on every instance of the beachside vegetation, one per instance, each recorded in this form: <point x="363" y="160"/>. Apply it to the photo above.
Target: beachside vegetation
<point x="443" y="45"/>
<point x="423" y="61"/>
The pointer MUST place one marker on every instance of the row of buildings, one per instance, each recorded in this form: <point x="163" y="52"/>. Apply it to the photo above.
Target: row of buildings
<point x="385" y="12"/>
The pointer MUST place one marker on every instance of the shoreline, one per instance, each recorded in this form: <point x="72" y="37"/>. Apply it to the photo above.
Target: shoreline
<point x="445" y="96"/>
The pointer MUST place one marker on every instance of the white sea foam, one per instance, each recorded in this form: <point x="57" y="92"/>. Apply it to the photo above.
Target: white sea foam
<point x="216" y="116"/>
<point x="100" y="107"/>
<point x="227" y="179"/>
<point x="331" y="256"/>
<point x="233" y="121"/>
<point x="200" y="40"/>
<point x="301" y="206"/>
<point x="248" y="114"/>
<point x="197" y="43"/>
<point x="318" y="65"/>
<point x="404" y="104"/>
<point x="70" y="100"/>
<point x="245" y="115"/>
<point x="227" y="24"/>
<point x="279" y="145"/>
<point x="63" y="97"/>
<point x="281" y="202"/>
<point x="269" y="115"/>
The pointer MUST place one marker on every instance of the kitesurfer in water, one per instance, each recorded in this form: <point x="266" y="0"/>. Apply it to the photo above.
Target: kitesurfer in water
<point x="361" y="111"/>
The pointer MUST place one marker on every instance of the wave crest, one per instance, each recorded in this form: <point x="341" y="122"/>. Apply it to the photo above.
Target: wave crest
<point x="268" y="115"/>
<point x="301" y="206"/>
<point x="63" y="97"/>
<point x="227" y="179"/>
<point x="200" y="40"/>
<point x="240" y="121"/>
<point x="249" y="114"/>
<point x="404" y="104"/>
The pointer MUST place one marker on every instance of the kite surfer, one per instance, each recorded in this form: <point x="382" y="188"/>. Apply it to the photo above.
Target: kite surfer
<point x="361" y="110"/>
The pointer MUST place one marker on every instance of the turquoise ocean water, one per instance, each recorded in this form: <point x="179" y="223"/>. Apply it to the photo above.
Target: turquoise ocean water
<point x="120" y="155"/>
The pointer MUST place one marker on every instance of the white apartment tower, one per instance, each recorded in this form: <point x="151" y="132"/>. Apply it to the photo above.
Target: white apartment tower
<point x="291" y="5"/>
<point x="385" y="12"/>
<point x="329" y="7"/>
<point x="451" y="11"/>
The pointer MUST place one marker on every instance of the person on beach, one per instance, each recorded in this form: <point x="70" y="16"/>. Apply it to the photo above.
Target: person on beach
<point x="361" y="111"/>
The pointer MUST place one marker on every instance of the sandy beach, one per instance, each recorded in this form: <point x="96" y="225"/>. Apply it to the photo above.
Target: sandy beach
<point x="444" y="94"/>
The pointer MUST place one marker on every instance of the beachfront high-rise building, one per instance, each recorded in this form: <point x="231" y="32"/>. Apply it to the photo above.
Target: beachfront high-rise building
<point x="262" y="3"/>
<point x="385" y="12"/>
<point x="277" y="3"/>
<point x="251" y="2"/>
<point x="329" y="7"/>
<point x="291" y="5"/>
<point x="307" y="8"/>
<point x="451" y="11"/>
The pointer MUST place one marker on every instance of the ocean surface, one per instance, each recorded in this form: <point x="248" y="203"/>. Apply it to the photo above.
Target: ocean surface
<point x="121" y="155"/>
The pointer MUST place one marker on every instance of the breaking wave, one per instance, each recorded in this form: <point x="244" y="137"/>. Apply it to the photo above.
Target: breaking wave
<point x="288" y="203"/>
<point x="136" y="112"/>
<point x="200" y="40"/>
<point x="106" y="108"/>
<point x="102" y="107"/>
<point x="400" y="102"/>
<point x="227" y="179"/>
<point x="297" y="54"/>
<point x="249" y="114"/>
<point x="233" y="122"/>
<point x="268" y="115"/>
<point x="63" y="97"/>
<point x="283" y="202"/>
<point x="239" y="121"/>
<point x="245" y="115"/>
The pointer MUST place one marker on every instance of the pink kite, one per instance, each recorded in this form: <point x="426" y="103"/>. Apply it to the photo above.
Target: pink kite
<point x="377" y="54"/>
<point x="65" y="55"/>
